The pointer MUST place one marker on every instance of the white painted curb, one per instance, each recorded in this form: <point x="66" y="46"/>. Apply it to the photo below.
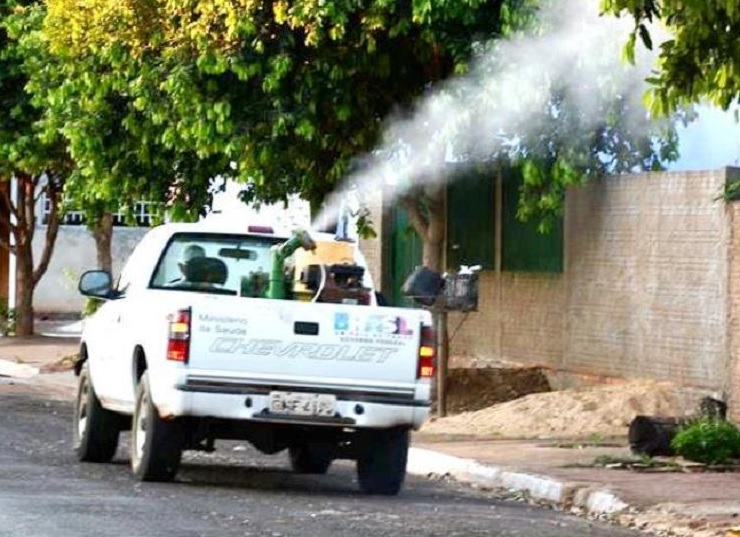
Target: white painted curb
<point x="20" y="371"/>
<point x="595" y="501"/>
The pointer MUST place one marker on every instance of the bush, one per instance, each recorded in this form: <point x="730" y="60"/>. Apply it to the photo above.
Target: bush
<point x="708" y="441"/>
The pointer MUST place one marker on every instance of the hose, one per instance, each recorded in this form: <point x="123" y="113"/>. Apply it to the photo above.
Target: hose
<point x="322" y="285"/>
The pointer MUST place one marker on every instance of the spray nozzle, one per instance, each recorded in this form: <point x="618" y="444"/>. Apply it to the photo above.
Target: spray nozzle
<point x="306" y="242"/>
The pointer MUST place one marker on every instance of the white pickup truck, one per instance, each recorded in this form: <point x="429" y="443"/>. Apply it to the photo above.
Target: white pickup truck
<point x="214" y="333"/>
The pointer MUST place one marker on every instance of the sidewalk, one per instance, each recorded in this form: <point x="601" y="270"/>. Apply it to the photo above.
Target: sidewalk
<point x="667" y="503"/>
<point x="41" y="363"/>
<point x="672" y="503"/>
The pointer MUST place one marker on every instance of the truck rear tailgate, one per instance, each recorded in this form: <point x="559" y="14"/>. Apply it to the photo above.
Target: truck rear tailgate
<point x="272" y="340"/>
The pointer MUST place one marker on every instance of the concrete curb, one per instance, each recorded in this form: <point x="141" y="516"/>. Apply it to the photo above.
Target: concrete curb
<point x="15" y="370"/>
<point x="593" y="500"/>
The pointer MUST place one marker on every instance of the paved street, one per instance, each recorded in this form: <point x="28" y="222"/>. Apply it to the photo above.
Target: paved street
<point x="44" y="492"/>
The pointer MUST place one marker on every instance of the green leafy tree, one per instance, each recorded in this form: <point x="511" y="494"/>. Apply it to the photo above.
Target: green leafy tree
<point x="569" y="149"/>
<point x="290" y="93"/>
<point x="699" y="59"/>
<point x="109" y="105"/>
<point x="285" y="95"/>
<point x="37" y="163"/>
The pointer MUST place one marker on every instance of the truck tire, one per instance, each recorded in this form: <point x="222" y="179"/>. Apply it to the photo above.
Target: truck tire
<point x="381" y="464"/>
<point x="156" y="444"/>
<point x="310" y="458"/>
<point x="96" y="429"/>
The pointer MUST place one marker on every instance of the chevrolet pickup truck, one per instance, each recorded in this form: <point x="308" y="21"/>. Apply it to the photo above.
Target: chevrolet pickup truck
<point x="214" y="333"/>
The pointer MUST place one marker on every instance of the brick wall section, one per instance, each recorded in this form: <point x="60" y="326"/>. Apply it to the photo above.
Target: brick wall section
<point x="651" y="288"/>
<point x="647" y="278"/>
<point x="643" y="292"/>
<point x="520" y="319"/>
<point x="533" y="324"/>
<point x="475" y="336"/>
<point x="733" y="369"/>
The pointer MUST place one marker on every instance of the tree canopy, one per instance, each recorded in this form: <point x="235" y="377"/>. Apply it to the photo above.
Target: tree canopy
<point x="98" y="103"/>
<point x="161" y="97"/>
<point x="23" y="145"/>
<point x="700" y="59"/>
<point x="282" y="95"/>
<point x="35" y="159"/>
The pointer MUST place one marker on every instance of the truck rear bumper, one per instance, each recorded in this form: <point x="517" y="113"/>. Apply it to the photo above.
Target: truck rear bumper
<point x="360" y="412"/>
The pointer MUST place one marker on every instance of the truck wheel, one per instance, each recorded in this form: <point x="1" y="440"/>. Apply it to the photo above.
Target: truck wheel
<point x="96" y="429"/>
<point x="381" y="465"/>
<point x="156" y="444"/>
<point x="310" y="458"/>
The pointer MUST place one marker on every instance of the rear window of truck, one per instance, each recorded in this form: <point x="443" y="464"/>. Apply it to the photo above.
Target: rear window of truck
<point x="213" y="263"/>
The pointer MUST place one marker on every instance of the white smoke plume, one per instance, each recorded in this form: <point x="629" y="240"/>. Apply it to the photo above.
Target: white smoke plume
<point x="503" y="96"/>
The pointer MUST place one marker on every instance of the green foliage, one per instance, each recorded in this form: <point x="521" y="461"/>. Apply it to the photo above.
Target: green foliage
<point x="288" y="92"/>
<point x="91" y="306"/>
<point x="700" y="60"/>
<point x="88" y="108"/>
<point x="708" y="441"/>
<point x="568" y="151"/>
<point x="156" y="99"/>
<point x="27" y="151"/>
<point x="7" y="319"/>
<point x="24" y="147"/>
<point x="365" y="226"/>
<point x="730" y="192"/>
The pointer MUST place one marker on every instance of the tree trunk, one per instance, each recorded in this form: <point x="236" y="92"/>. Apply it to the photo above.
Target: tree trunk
<point x="425" y="210"/>
<point x="443" y="349"/>
<point x="103" y="234"/>
<point x="23" y="249"/>
<point x="23" y="229"/>
<point x="429" y="224"/>
<point x="24" y="291"/>
<point x="432" y="245"/>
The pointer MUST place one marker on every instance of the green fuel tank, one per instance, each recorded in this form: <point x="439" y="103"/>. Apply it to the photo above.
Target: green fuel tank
<point x="278" y="254"/>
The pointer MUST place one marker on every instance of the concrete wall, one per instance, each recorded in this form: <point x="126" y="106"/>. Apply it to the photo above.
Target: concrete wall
<point x="733" y="369"/>
<point x="644" y="292"/>
<point x="74" y="253"/>
<point x="519" y="320"/>
<point x="647" y="275"/>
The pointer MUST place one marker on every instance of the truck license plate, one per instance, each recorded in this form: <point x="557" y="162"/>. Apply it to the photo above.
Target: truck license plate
<point x="302" y="404"/>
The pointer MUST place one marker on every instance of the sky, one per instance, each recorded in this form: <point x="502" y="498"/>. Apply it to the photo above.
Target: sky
<point x="712" y="141"/>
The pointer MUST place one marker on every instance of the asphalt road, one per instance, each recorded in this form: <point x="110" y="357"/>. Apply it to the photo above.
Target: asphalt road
<point x="45" y="492"/>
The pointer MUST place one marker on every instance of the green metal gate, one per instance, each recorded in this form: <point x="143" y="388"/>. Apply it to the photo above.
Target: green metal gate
<point x="405" y="251"/>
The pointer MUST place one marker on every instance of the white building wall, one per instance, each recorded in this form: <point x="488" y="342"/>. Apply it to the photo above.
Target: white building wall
<point x="74" y="253"/>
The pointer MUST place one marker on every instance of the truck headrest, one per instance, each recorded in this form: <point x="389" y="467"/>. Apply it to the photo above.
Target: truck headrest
<point x="205" y="270"/>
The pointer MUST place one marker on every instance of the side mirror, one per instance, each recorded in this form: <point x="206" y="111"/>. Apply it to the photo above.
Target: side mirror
<point x="96" y="283"/>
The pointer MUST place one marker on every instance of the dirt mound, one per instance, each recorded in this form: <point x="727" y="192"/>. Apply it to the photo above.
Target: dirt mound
<point x="604" y="411"/>
<point x="478" y="388"/>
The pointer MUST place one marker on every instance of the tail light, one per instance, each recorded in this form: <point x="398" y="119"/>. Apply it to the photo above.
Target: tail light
<point x="427" y="353"/>
<point x="178" y="339"/>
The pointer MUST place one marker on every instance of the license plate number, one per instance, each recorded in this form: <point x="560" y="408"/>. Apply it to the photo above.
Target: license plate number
<point x="302" y="404"/>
